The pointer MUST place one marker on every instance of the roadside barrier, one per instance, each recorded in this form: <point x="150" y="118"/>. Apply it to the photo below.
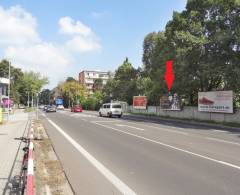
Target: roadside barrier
<point x="1" y="115"/>
<point x="30" y="165"/>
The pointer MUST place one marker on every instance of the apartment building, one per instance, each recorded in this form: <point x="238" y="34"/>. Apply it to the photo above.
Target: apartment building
<point x="87" y="78"/>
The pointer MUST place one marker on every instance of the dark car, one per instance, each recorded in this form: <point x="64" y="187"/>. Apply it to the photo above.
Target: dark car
<point x="51" y="109"/>
<point x="76" y="108"/>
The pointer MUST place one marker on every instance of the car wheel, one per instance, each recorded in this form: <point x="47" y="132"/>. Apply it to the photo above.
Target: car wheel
<point x="109" y="115"/>
<point x="119" y="116"/>
<point x="100" y="114"/>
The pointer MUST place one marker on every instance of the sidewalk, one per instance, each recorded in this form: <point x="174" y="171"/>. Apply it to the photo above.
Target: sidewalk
<point x="11" y="150"/>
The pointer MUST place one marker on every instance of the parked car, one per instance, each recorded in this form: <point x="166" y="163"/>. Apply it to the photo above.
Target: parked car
<point x="76" y="108"/>
<point x="111" y="109"/>
<point x="60" y="107"/>
<point x="51" y="108"/>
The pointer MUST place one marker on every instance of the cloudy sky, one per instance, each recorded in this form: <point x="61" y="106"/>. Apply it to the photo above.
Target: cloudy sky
<point x="61" y="38"/>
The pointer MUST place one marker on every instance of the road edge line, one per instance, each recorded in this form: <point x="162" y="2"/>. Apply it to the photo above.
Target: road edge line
<point x="173" y="147"/>
<point x="120" y="185"/>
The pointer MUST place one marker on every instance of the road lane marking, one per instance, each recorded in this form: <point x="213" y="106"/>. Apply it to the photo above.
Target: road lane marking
<point x="122" y="187"/>
<point x="173" y="147"/>
<point x="162" y="128"/>
<point x="121" y="125"/>
<point x="224" y="141"/>
<point x="110" y="121"/>
<point x="220" y="131"/>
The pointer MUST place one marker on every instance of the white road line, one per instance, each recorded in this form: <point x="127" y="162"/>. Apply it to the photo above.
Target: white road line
<point x="224" y="141"/>
<point x="162" y="128"/>
<point x="122" y="187"/>
<point x="220" y="131"/>
<point x="173" y="147"/>
<point x="110" y="121"/>
<point x="121" y="125"/>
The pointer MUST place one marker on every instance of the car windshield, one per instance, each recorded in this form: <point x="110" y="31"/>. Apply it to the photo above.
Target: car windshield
<point x="116" y="106"/>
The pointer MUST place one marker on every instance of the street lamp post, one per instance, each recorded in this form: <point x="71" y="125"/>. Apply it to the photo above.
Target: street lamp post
<point x="9" y="85"/>
<point x="28" y="99"/>
<point x="37" y="105"/>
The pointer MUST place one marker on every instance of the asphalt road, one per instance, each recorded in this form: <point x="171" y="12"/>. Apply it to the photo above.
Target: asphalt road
<point x="134" y="156"/>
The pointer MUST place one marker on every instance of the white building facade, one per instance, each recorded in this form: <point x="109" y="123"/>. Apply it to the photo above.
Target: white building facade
<point x="87" y="78"/>
<point x="4" y="82"/>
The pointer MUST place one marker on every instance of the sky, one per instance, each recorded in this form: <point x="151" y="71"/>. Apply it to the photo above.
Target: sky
<point x="62" y="38"/>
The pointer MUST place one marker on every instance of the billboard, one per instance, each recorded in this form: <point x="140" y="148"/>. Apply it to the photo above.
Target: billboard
<point x="215" y="101"/>
<point x="170" y="102"/>
<point x="59" y="101"/>
<point x="6" y="102"/>
<point x="140" y="102"/>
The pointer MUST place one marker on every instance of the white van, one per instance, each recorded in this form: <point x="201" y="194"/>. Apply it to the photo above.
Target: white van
<point x="111" y="109"/>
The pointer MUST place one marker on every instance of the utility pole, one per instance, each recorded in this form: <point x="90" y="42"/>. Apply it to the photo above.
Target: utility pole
<point x="37" y="106"/>
<point x="28" y="99"/>
<point x="9" y="85"/>
<point x="32" y="101"/>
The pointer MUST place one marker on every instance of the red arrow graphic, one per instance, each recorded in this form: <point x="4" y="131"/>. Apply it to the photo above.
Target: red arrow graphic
<point x="169" y="75"/>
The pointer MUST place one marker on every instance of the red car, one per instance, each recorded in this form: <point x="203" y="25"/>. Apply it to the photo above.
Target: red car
<point x="76" y="108"/>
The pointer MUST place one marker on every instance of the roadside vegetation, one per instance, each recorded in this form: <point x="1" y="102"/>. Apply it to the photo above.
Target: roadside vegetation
<point x="22" y="83"/>
<point x="203" y="41"/>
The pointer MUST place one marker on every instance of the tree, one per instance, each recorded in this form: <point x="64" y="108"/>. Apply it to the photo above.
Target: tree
<point x="32" y="83"/>
<point x="69" y="79"/>
<point x="94" y="101"/>
<point x="203" y="41"/>
<point x="98" y="85"/>
<point x="123" y="87"/>
<point x="157" y="50"/>
<point x="45" y="96"/>
<point x="72" y="92"/>
<point x="16" y="79"/>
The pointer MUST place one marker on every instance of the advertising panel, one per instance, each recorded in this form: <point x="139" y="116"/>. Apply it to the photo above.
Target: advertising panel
<point x="6" y="102"/>
<point x="140" y="102"/>
<point x="215" y="101"/>
<point x="59" y="101"/>
<point x="170" y="102"/>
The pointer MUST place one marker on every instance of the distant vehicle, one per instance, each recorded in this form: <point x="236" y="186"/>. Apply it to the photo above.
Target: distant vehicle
<point x="60" y="107"/>
<point x="51" y="108"/>
<point x="21" y="106"/>
<point x="76" y="108"/>
<point x="41" y="107"/>
<point x="45" y="108"/>
<point x="111" y="109"/>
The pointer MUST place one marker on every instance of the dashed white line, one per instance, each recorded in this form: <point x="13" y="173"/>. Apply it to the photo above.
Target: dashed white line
<point x="122" y="125"/>
<point x="220" y="131"/>
<point x="224" y="141"/>
<point x="163" y="129"/>
<point x="173" y="147"/>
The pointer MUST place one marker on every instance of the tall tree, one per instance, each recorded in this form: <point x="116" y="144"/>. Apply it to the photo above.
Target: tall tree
<point x="16" y="79"/>
<point x="69" y="79"/>
<point x="32" y="83"/>
<point x="45" y="97"/>
<point x="124" y="85"/>
<point x="203" y="41"/>
<point x="98" y="84"/>
<point x="72" y="92"/>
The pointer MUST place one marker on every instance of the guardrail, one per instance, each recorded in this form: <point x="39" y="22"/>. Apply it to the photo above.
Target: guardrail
<point x="30" y="165"/>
